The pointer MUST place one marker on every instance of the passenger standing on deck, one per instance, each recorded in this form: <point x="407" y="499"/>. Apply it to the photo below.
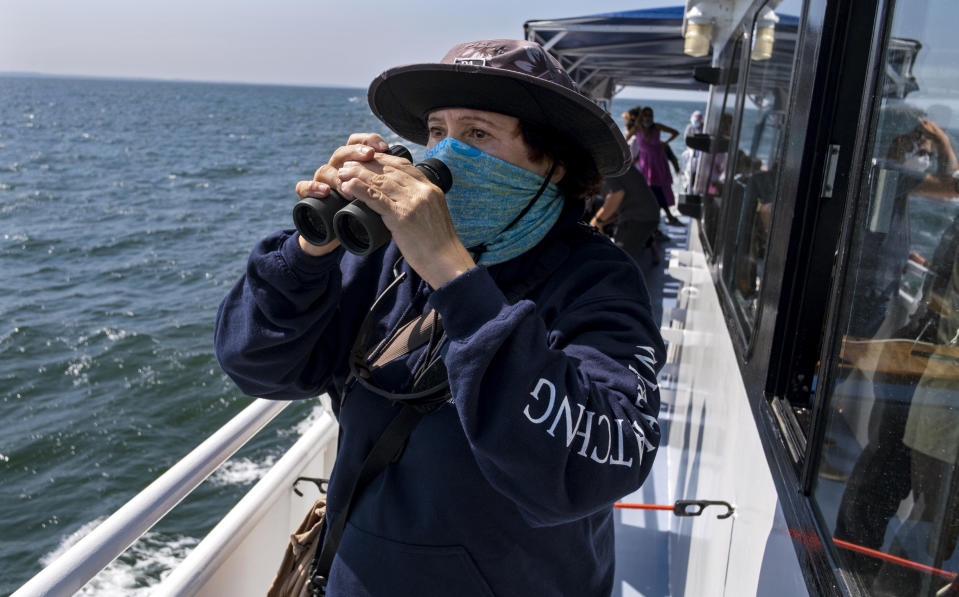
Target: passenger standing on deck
<point x="690" y="157"/>
<point x="631" y="210"/>
<point x="695" y="125"/>
<point x="630" y="120"/>
<point x="648" y="151"/>
<point x="507" y="482"/>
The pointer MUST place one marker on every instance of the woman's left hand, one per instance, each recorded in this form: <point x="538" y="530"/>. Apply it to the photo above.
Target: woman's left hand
<point x="415" y="212"/>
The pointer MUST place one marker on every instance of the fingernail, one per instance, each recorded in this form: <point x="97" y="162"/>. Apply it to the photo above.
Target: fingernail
<point x="382" y="146"/>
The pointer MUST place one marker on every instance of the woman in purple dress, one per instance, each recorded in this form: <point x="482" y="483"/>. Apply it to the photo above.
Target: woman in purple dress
<point x="649" y="155"/>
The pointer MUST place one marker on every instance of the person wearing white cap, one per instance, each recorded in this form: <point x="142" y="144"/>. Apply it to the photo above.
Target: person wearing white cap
<point x="690" y="157"/>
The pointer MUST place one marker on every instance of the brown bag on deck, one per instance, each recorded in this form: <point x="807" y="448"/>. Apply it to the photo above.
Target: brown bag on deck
<point x="293" y="577"/>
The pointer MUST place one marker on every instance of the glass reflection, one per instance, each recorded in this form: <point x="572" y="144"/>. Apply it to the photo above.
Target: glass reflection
<point x="888" y="477"/>
<point x="711" y="168"/>
<point x="753" y="185"/>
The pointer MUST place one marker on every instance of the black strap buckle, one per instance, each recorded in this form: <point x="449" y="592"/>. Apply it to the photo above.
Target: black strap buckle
<point x="321" y="484"/>
<point x="317" y="586"/>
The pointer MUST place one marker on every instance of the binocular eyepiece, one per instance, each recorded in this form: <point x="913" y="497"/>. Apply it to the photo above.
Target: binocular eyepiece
<point x="360" y="229"/>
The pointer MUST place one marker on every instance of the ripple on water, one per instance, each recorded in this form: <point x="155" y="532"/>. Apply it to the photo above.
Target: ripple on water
<point x="109" y="287"/>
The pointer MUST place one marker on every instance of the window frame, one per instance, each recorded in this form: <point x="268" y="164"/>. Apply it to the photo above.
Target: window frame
<point x="791" y="327"/>
<point x="856" y="204"/>
<point x="747" y="330"/>
<point x="868" y="118"/>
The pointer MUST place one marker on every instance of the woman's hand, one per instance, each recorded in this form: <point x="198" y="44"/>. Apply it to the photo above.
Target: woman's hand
<point x="359" y="148"/>
<point x="933" y="131"/>
<point x="947" y="160"/>
<point x="413" y="209"/>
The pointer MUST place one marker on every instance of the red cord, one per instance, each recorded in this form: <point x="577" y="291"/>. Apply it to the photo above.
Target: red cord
<point x="642" y="506"/>
<point x="895" y="560"/>
<point x="839" y="543"/>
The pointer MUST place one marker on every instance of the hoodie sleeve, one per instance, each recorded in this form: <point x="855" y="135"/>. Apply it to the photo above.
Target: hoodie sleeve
<point x="276" y="334"/>
<point x="561" y="419"/>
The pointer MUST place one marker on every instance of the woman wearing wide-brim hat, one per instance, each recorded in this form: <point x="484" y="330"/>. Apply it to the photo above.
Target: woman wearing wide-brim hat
<point x="522" y="341"/>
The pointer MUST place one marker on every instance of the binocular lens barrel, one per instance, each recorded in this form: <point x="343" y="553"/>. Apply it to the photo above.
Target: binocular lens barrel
<point x="314" y="217"/>
<point x="360" y="230"/>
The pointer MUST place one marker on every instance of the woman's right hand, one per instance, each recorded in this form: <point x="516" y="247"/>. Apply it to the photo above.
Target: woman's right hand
<point x="360" y="147"/>
<point x="933" y="131"/>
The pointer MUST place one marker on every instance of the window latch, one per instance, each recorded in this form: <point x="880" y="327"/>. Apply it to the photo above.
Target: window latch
<point x="829" y="180"/>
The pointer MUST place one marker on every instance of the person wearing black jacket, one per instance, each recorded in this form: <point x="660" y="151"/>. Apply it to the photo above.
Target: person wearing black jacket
<point x="630" y="210"/>
<point x="535" y="372"/>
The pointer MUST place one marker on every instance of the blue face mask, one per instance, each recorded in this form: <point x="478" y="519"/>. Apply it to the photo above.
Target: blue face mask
<point x="487" y="197"/>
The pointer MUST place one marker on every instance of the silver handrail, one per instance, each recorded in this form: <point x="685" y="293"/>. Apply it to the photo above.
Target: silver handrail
<point x="919" y="272"/>
<point x="68" y="573"/>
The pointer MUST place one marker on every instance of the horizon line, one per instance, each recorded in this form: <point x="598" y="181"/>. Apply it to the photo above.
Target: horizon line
<point x="624" y="94"/>
<point x="47" y="75"/>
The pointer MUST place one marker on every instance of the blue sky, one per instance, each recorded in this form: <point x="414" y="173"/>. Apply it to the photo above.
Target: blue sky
<point x="298" y="42"/>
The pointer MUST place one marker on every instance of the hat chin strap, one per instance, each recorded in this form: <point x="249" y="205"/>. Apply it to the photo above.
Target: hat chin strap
<point x="480" y="249"/>
<point x="539" y="193"/>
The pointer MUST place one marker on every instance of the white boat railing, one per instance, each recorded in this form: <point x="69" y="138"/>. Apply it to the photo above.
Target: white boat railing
<point x="913" y="283"/>
<point x="240" y="555"/>
<point x="84" y="560"/>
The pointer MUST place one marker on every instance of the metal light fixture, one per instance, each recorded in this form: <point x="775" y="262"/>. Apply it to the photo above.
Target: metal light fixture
<point x="764" y="36"/>
<point x="699" y="32"/>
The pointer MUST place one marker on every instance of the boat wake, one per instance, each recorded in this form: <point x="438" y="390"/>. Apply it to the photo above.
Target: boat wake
<point x="241" y="472"/>
<point x="134" y="573"/>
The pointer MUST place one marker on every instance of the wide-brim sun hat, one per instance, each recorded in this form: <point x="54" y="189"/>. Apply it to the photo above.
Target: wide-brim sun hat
<point x="513" y="77"/>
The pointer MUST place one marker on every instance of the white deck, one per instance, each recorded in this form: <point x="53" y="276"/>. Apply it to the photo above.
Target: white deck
<point x="710" y="451"/>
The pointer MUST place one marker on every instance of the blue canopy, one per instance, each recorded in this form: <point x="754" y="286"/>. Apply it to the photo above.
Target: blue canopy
<point x="643" y="48"/>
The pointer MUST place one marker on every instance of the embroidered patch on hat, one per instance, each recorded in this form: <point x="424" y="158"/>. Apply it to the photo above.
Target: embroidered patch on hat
<point x="471" y="61"/>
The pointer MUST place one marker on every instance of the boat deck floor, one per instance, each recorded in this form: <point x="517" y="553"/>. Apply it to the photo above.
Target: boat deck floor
<point x="642" y="536"/>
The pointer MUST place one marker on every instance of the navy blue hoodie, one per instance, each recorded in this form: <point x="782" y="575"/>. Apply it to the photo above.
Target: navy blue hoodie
<point x="507" y="489"/>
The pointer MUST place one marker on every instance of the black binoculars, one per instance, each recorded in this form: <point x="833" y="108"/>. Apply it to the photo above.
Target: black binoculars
<point x="360" y="229"/>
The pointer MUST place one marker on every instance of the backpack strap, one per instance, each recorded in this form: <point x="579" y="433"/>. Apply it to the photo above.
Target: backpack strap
<point x="387" y="449"/>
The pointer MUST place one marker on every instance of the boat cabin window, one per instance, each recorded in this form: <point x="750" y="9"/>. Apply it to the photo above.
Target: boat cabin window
<point x="752" y="182"/>
<point x="719" y="120"/>
<point x="888" y="482"/>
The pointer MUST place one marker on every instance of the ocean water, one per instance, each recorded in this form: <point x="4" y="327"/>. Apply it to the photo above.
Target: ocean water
<point x="127" y="210"/>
